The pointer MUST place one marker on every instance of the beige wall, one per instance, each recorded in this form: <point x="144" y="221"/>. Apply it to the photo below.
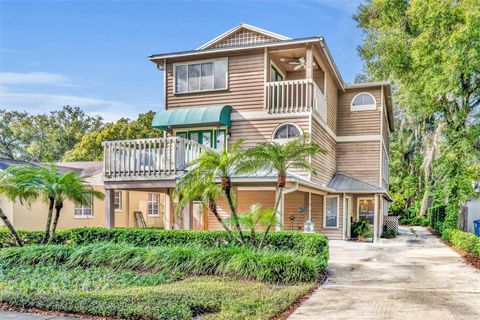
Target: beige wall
<point x="352" y="123"/>
<point x="245" y="85"/>
<point x="360" y="160"/>
<point x="34" y="217"/>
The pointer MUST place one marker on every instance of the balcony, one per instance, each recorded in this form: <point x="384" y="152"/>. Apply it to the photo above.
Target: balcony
<point x="148" y="159"/>
<point x="293" y="96"/>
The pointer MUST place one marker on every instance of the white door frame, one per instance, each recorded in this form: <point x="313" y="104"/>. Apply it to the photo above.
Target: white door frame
<point x="348" y="215"/>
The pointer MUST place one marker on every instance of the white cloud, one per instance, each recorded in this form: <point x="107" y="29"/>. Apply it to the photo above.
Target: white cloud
<point x="17" y="78"/>
<point x="33" y="102"/>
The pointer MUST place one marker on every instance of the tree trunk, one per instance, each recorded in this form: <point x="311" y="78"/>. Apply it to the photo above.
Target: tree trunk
<point x="281" y="180"/>
<point x="227" y="188"/>
<point x="58" y="208"/>
<point x="51" y="204"/>
<point x="11" y="228"/>
<point x="213" y="207"/>
<point x="277" y="204"/>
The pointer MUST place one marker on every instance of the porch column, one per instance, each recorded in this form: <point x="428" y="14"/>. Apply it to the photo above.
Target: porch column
<point x="169" y="210"/>
<point x="188" y="216"/>
<point x="375" y="219"/>
<point x="109" y="208"/>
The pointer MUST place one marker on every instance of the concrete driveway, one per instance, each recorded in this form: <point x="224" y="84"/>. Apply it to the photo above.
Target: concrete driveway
<point x="414" y="276"/>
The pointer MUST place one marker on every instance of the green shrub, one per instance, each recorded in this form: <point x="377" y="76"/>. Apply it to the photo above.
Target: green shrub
<point x="361" y="229"/>
<point x="389" y="234"/>
<point x="305" y="244"/>
<point x="241" y="262"/>
<point x="462" y="240"/>
<point x="209" y="297"/>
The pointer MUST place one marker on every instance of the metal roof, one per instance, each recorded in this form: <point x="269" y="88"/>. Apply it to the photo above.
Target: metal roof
<point x="344" y="183"/>
<point x="6" y="162"/>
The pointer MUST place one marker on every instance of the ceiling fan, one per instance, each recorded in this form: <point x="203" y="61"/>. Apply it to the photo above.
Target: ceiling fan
<point x="299" y="64"/>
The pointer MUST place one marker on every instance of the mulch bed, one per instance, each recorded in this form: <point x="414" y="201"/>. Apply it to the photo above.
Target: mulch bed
<point x="469" y="258"/>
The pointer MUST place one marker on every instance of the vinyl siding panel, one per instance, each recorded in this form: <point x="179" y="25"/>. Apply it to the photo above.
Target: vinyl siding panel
<point x="245" y="199"/>
<point x="351" y="123"/>
<point x="245" y="86"/>
<point x="317" y="216"/>
<point x="332" y="103"/>
<point x="324" y="164"/>
<point x="360" y="160"/>
<point x="257" y="131"/>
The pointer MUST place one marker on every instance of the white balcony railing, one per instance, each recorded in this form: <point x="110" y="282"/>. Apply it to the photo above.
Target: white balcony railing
<point x="294" y="96"/>
<point x="144" y="159"/>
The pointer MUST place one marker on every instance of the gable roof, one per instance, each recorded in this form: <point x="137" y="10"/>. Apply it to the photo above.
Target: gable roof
<point x="7" y="162"/>
<point x="242" y="34"/>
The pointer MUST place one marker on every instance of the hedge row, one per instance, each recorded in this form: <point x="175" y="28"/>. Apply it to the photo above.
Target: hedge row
<point x="233" y="261"/>
<point x="194" y="298"/>
<point x="465" y="241"/>
<point x="305" y="244"/>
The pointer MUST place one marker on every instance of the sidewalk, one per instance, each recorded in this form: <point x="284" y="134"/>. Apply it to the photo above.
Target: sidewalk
<point x="11" y="315"/>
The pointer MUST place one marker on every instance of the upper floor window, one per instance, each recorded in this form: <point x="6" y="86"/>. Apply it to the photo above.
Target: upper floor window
<point x="363" y="101"/>
<point x="201" y="76"/>
<point x="286" y="131"/>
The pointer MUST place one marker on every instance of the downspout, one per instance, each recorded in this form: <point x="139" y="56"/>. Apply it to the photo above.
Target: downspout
<point x="282" y="204"/>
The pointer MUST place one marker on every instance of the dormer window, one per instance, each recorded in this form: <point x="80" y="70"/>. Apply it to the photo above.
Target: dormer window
<point x="363" y="101"/>
<point x="206" y="75"/>
<point x="286" y="131"/>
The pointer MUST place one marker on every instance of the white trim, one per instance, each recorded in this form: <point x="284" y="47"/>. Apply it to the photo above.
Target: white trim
<point x="272" y="63"/>
<point x="287" y="139"/>
<point x="120" y="208"/>
<point x="242" y="26"/>
<point x="325" y="211"/>
<point x="187" y="63"/>
<point x="372" y="137"/>
<point x="259" y="115"/>
<point x="349" y="213"/>
<point x="256" y="188"/>
<point x="367" y="84"/>
<point x="363" y="107"/>
<point x="375" y="219"/>
<point x="152" y="201"/>
<point x="358" y="205"/>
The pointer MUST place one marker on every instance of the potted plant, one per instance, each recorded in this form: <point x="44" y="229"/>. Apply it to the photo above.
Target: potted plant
<point x="361" y="230"/>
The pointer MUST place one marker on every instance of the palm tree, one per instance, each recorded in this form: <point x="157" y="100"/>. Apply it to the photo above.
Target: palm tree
<point x="14" y="191"/>
<point x="222" y="165"/>
<point x="71" y="186"/>
<point x="257" y="217"/>
<point x="28" y="183"/>
<point x="193" y="187"/>
<point x="280" y="157"/>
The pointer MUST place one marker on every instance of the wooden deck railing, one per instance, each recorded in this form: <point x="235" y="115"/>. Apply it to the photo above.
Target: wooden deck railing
<point x="294" y="96"/>
<point x="143" y="159"/>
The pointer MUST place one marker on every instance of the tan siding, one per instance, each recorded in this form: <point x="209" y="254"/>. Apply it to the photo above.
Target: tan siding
<point x="332" y="103"/>
<point x="317" y="216"/>
<point x="359" y="160"/>
<point x="245" y="82"/>
<point x="386" y="133"/>
<point x="324" y="164"/>
<point x="358" y="122"/>
<point x="257" y="131"/>
<point x="292" y="202"/>
<point x="245" y="200"/>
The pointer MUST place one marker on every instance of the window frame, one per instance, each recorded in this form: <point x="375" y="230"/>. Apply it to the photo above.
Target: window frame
<point x="213" y="75"/>
<point x="325" y="211"/>
<point x="115" y="199"/>
<point x="152" y="201"/>
<point x="276" y="70"/>
<point x="372" y="198"/>
<point x="214" y="131"/>
<point x="83" y="208"/>
<point x="286" y="139"/>
<point x="365" y="107"/>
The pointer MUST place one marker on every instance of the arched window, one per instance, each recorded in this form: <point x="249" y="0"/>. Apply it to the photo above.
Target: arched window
<point x="286" y="131"/>
<point x="363" y="101"/>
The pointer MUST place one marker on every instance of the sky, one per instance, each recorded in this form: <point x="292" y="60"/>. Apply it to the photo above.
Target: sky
<point x="93" y="54"/>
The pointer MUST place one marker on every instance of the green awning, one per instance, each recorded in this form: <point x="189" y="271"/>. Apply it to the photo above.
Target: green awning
<point x="188" y="117"/>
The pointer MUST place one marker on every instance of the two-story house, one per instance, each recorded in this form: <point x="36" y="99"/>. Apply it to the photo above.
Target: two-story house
<point x="261" y="86"/>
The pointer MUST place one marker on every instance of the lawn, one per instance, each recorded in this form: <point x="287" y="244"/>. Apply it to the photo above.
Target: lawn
<point x="153" y="274"/>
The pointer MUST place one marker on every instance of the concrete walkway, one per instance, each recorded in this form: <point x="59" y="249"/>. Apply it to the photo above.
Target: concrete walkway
<point x="414" y="276"/>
